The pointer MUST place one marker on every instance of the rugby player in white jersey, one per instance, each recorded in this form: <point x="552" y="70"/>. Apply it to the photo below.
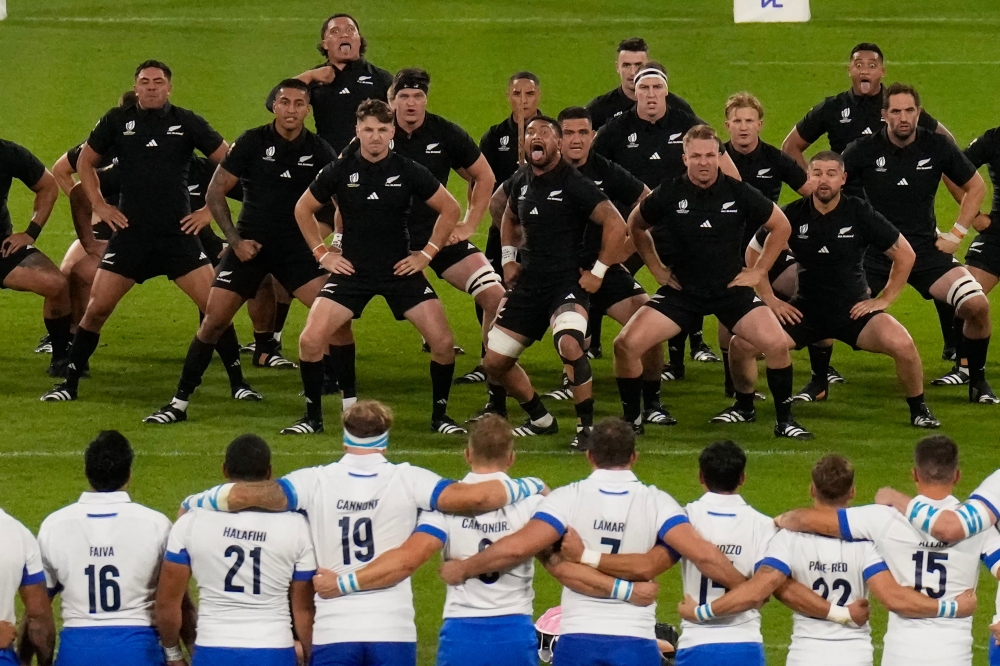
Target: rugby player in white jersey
<point x="247" y="566"/>
<point x="21" y="575"/>
<point x="102" y="555"/>
<point x="360" y="507"/>
<point x="613" y="512"/>
<point x="934" y="568"/>
<point x="828" y="623"/>
<point x="493" y="608"/>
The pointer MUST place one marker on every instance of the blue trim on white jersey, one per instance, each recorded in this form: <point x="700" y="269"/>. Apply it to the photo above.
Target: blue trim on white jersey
<point x="53" y="591"/>
<point x="290" y="495"/>
<point x="677" y="557"/>
<point x="876" y="568"/>
<point x="178" y="558"/>
<point x="551" y="520"/>
<point x="990" y="559"/>
<point x="776" y="564"/>
<point x="31" y="579"/>
<point x="670" y="524"/>
<point x="722" y="515"/>
<point x="985" y="501"/>
<point x="435" y="532"/>
<point x="438" y="489"/>
<point x="362" y="476"/>
<point x="101" y="515"/>
<point x="610" y="492"/>
<point x="845" y="527"/>
<point x="303" y="575"/>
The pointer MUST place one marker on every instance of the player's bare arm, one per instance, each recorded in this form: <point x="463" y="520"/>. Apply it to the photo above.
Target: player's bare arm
<point x="903" y="258"/>
<point x="944" y="524"/>
<point x="303" y="614"/>
<point x="63" y="172"/>
<point x="751" y="594"/>
<point x="503" y="555"/>
<point x="386" y="570"/>
<point x="638" y="231"/>
<point x="170" y="591"/>
<point x="908" y="602"/>
<point x="38" y="630"/>
<point x="973" y="193"/>
<point x="587" y="581"/>
<point x="215" y="198"/>
<point x="613" y="237"/>
<point x="783" y="310"/>
<point x="804" y="601"/>
<point x="795" y="147"/>
<point x="86" y="167"/>
<point x="779" y="231"/>
<point x="305" y="217"/>
<point x="46" y="192"/>
<point x="817" y="521"/>
<point x="511" y="237"/>
<point x="481" y="183"/>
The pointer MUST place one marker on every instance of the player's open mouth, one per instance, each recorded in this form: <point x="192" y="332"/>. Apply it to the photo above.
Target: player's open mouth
<point x="537" y="151"/>
<point x="345" y="47"/>
<point x="866" y="86"/>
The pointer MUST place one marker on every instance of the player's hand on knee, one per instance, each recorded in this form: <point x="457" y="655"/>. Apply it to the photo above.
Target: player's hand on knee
<point x="15" y="243"/>
<point x="867" y="307"/>
<point x="967" y="604"/>
<point x="572" y="546"/>
<point x="245" y="250"/>
<point x="413" y="264"/>
<point x="590" y="282"/>
<point x="193" y="223"/>
<point x="748" y="277"/>
<point x="859" y="611"/>
<point x="334" y="262"/>
<point x="325" y="584"/>
<point x="111" y="215"/>
<point x="644" y="594"/>
<point x="685" y="608"/>
<point x="784" y="311"/>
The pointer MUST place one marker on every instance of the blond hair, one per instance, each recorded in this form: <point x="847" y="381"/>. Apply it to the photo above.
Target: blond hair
<point x="367" y="418"/>
<point x="744" y="100"/>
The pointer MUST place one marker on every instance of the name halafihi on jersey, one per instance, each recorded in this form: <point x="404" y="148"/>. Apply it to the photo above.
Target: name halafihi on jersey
<point x="485" y="528"/>
<point x="608" y="526"/>
<point x="348" y="505"/>
<point x="244" y="535"/>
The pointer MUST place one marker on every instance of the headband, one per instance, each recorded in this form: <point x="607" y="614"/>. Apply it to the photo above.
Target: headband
<point x="376" y="442"/>
<point x="413" y="85"/>
<point x="649" y="71"/>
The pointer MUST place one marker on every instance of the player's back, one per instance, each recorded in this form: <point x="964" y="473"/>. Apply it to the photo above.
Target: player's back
<point x="103" y="556"/>
<point x="836" y="570"/>
<point x="244" y="564"/>
<point x="934" y="568"/>
<point x="20" y="564"/>
<point x="742" y="534"/>
<point x="614" y="513"/>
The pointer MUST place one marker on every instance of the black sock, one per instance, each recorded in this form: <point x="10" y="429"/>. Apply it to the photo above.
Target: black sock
<point x="697" y="338"/>
<point x="498" y="397"/>
<point x="675" y="351"/>
<point x="534" y="407"/>
<point x="975" y="351"/>
<point x="312" y="388"/>
<point x="958" y="338"/>
<point x="280" y="315"/>
<point x="482" y="352"/>
<point x="59" y="336"/>
<point x="916" y="404"/>
<point x="585" y="413"/>
<point x="199" y="356"/>
<point x="263" y="341"/>
<point x="441" y="376"/>
<point x="630" y="391"/>
<point x="651" y="392"/>
<point x="228" y="348"/>
<point x="744" y="401"/>
<point x="730" y="387"/>
<point x="819" y="361"/>
<point x="596" y="323"/>
<point x="946" y="315"/>
<point x="780" y="383"/>
<point x="480" y="313"/>
<point x="83" y="347"/>
<point x="343" y="359"/>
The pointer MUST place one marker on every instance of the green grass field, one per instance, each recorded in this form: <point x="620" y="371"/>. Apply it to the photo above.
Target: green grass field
<point x="63" y="63"/>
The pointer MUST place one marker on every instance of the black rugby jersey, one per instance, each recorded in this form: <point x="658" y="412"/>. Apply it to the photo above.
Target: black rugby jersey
<point x="374" y="198"/>
<point x="154" y="149"/>
<point x="699" y="231"/>
<point x="615" y="103"/>
<point x="107" y="176"/>
<point x="336" y="103"/>
<point x="273" y="173"/>
<point x="766" y="168"/>
<point x="16" y="161"/>
<point x="499" y="145"/>
<point x="621" y="187"/>
<point x="986" y="150"/>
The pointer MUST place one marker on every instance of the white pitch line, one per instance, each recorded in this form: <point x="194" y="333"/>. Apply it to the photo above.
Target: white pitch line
<point x="391" y="452"/>
<point x="889" y="63"/>
<point x="556" y="20"/>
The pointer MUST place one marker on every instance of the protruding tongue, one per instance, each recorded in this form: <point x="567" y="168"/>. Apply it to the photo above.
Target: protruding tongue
<point x="345" y="48"/>
<point x="537" y="154"/>
<point x="866" y="87"/>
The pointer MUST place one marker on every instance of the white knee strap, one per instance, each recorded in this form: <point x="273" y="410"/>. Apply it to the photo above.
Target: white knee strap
<point x="962" y="290"/>
<point x="501" y="343"/>
<point x="571" y="320"/>
<point x="484" y="278"/>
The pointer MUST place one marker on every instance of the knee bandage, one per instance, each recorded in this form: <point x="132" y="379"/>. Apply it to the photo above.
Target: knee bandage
<point x="484" y="278"/>
<point x="501" y="343"/>
<point x="574" y="325"/>
<point x="962" y="290"/>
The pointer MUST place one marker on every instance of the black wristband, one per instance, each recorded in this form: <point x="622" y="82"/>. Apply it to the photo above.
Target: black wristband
<point x="33" y="230"/>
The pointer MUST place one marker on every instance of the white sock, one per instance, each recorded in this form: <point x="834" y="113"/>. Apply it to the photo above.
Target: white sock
<point x="277" y="336"/>
<point x="346" y="403"/>
<point x="543" y="422"/>
<point x="177" y="403"/>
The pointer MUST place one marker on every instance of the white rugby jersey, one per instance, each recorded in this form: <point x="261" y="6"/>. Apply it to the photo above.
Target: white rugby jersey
<point x="244" y="564"/>
<point x="742" y="534"/>
<point x="931" y="567"/>
<point x="492" y="594"/>
<point x="988" y="493"/>
<point x="103" y="556"/>
<point x="837" y="571"/>
<point x="358" y="508"/>
<point x="20" y="563"/>
<point x="614" y="513"/>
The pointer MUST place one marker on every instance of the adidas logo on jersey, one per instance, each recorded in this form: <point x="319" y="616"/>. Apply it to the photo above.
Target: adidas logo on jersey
<point x="765" y="173"/>
<point x="534" y="211"/>
<point x="867" y="132"/>
<point x="756" y="299"/>
<point x="706" y="225"/>
<point x="924" y="165"/>
<point x="152" y="143"/>
<point x="728" y="207"/>
<point x="286" y="175"/>
<point x="599" y="183"/>
<point x="675" y="138"/>
<point x="845" y="116"/>
<point x="345" y="91"/>
<point x="902" y="181"/>
<point x="823" y="250"/>
<point x="391" y="182"/>
<point x="654" y="156"/>
<point x="431" y="149"/>
<point x="845" y="232"/>
<point x="555" y="195"/>
<point x="174" y="130"/>
<point x="428" y="290"/>
<point x="570" y="297"/>
<point x="372" y="197"/>
<point x="202" y="256"/>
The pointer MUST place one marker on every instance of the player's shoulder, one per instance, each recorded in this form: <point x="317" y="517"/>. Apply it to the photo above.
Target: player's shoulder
<point x="255" y="135"/>
<point x="602" y="99"/>
<point x="618" y="125"/>
<point x="384" y="75"/>
<point x="443" y="126"/>
<point x="148" y="514"/>
<point x="8" y="146"/>
<point x="802" y="206"/>
<point x="10" y="525"/>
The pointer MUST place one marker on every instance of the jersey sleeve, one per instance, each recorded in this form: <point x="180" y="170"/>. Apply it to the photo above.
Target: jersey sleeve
<point x="305" y="558"/>
<point x="586" y="195"/>
<point x="653" y="207"/>
<point x="873" y="562"/>
<point x="73" y="155"/>
<point x="927" y="121"/>
<point x="669" y="514"/>
<point x="203" y="136"/>
<point x="433" y="523"/>
<point x="325" y="151"/>
<point x="853" y="161"/>
<point x="988" y="493"/>
<point x="324" y="186"/>
<point x="461" y="147"/>
<point x="983" y="149"/>
<point x="622" y="186"/>
<point x="557" y="508"/>
<point x="240" y="153"/>
<point x="767" y="531"/>
<point x="864" y="523"/>
<point x="298" y="488"/>
<point x="878" y="231"/>
<point x="791" y="173"/>
<point x="778" y="554"/>
<point x="178" y="540"/>
<point x="422" y="182"/>
<point x="956" y="165"/>
<point x="424" y="485"/>
<point x="603" y="142"/>
<point x="102" y="137"/>
<point x="758" y="207"/>
<point x="813" y="125"/>
<point x="24" y="166"/>
<point x="757" y="242"/>
<point x="33" y="571"/>
<point x="48" y="565"/>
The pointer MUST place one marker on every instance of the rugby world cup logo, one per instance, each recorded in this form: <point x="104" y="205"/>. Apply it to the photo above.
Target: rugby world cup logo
<point x="803" y="229"/>
<point x="354" y="177"/>
<point x="880" y="164"/>
<point x="129" y="126"/>
<point x="682" y="206"/>
<point x="269" y="152"/>
<point x="632" y="140"/>
<point x="505" y="143"/>
<point x="845" y="116"/>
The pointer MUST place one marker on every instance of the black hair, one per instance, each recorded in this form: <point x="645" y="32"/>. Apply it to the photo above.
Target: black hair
<point x="827" y="156"/>
<point x="326" y="24"/>
<point x="722" y="465"/>
<point x="294" y="84"/>
<point x="158" y="64"/>
<point x="248" y="458"/>
<point x="546" y="119"/>
<point x="523" y="75"/>
<point x="107" y="461"/>
<point x="868" y="46"/>
<point x="575" y="113"/>
<point x="612" y="443"/>
<point x="128" y="98"/>
<point x="899" y="89"/>
<point x="636" y="44"/>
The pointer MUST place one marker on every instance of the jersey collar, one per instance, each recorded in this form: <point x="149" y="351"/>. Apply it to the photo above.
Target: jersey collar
<point x="363" y="460"/>
<point x="613" y="475"/>
<point x="161" y="112"/>
<point x="816" y="215"/>
<point x="296" y="143"/>
<point x="861" y="100"/>
<point x="945" y="503"/>
<point x="883" y="135"/>
<point x="717" y="499"/>
<point x="472" y="477"/>
<point x="117" y="497"/>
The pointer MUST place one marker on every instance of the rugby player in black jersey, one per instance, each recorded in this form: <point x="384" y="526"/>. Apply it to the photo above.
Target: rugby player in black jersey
<point x="699" y="219"/>
<point x="830" y="233"/>
<point x="274" y="163"/>
<point x="547" y="217"/>
<point x="154" y="142"/>
<point x="899" y="168"/>
<point x="373" y="188"/>
<point x="23" y="267"/>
